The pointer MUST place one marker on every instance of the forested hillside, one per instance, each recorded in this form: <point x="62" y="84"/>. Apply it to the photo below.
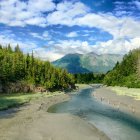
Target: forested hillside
<point x="126" y="73"/>
<point x="88" y="78"/>
<point x="25" y="70"/>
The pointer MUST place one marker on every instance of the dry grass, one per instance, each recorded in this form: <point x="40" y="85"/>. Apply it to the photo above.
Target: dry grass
<point x="132" y="92"/>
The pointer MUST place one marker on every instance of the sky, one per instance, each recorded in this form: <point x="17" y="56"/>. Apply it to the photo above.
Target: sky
<point x="54" y="28"/>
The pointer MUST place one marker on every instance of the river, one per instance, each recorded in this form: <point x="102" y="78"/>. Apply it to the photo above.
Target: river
<point x="115" y="124"/>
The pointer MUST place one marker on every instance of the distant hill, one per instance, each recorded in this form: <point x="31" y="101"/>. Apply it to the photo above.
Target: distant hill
<point x="90" y="62"/>
<point x="127" y="72"/>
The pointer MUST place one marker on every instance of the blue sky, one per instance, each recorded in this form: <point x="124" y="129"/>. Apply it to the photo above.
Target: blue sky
<point x="54" y="28"/>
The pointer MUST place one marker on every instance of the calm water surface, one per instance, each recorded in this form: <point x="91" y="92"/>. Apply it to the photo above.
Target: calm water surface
<point x="117" y="125"/>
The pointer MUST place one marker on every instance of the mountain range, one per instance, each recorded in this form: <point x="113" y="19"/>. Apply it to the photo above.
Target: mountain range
<point x="90" y="62"/>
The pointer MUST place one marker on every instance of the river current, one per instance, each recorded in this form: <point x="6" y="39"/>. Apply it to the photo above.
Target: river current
<point x="115" y="124"/>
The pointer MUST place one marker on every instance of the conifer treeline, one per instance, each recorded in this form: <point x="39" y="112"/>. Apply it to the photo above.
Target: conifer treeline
<point x="15" y="66"/>
<point x="88" y="78"/>
<point x="126" y="73"/>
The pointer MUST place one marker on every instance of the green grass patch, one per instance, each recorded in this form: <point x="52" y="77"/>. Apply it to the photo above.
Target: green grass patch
<point x="82" y="86"/>
<point x="14" y="100"/>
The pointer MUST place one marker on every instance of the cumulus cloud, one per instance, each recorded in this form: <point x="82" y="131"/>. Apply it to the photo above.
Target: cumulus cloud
<point x="22" y="13"/>
<point x="72" y="46"/>
<point x="116" y="26"/>
<point x="64" y="47"/>
<point x="41" y="6"/>
<point x="31" y="12"/>
<point x="136" y="3"/>
<point x="26" y="46"/>
<point x="44" y="36"/>
<point x="36" y="35"/>
<point x="43" y="54"/>
<point x="72" y="34"/>
<point x="57" y="50"/>
<point x="117" y="46"/>
<point x="66" y="12"/>
<point x="125" y="30"/>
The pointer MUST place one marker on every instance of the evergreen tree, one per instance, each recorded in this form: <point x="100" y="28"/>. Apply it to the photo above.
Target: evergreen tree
<point x="17" y="49"/>
<point x="9" y="48"/>
<point x="87" y="78"/>
<point x="15" y="66"/>
<point x="125" y="73"/>
<point x="0" y="46"/>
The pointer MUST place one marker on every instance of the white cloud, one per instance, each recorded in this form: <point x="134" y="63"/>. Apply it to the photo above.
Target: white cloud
<point x="85" y="34"/>
<point x="136" y="3"/>
<point x="36" y="21"/>
<point x="43" y="54"/>
<point x="41" y="6"/>
<point x="66" y="12"/>
<point x="125" y="27"/>
<point x="72" y="46"/>
<point x="36" y="35"/>
<point x="117" y="46"/>
<point x="44" y="36"/>
<point x="26" y="46"/>
<point x="63" y="47"/>
<point x="72" y="34"/>
<point x="116" y="26"/>
<point x="31" y="12"/>
<point x="51" y="42"/>
<point x="21" y="13"/>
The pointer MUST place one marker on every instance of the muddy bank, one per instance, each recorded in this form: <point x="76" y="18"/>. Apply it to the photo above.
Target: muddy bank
<point x="120" y="102"/>
<point x="33" y="122"/>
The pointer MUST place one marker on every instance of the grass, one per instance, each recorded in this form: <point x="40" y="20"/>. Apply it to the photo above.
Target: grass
<point x="132" y="92"/>
<point x="14" y="100"/>
<point x="82" y="86"/>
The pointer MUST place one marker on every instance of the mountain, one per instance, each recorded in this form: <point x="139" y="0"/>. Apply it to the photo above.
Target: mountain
<point x="71" y="62"/>
<point x="90" y="62"/>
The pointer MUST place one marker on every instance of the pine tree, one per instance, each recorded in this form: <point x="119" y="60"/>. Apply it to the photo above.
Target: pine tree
<point x="15" y="67"/>
<point x="9" y="48"/>
<point x="17" y="49"/>
<point x="0" y="46"/>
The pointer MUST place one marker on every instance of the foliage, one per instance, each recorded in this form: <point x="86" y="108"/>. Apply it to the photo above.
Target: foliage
<point x="88" y="78"/>
<point x="16" y="66"/>
<point x="125" y="73"/>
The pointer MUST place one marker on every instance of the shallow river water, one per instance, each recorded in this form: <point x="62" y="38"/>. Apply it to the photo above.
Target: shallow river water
<point x="117" y="125"/>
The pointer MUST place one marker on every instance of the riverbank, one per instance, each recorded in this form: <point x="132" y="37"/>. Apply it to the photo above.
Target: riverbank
<point x="8" y="101"/>
<point x="121" y="98"/>
<point x="82" y="86"/>
<point x="32" y="121"/>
